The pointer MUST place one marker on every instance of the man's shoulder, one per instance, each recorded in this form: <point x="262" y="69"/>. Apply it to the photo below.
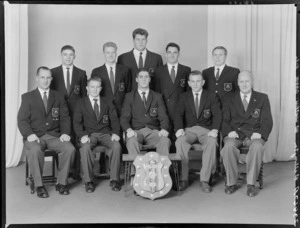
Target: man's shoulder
<point x="28" y="94"/>
<point x="79" y="70"/>
<point x="99" y="68"/>
<point x="125" y="54"/>
<point x="55" y="69"/>
<point x="259" y="94"/>
<point x="122" y="67"/>
<point x="153" y="54"/>
<point x="231" y="68"/>
<point x="184" y="67"/>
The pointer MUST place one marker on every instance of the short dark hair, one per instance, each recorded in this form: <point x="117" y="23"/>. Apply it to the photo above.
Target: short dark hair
<point x="140" y="31"/>
<point x="219" y="47"/>
<point x="109" y="44"/>
<point x="67" y="47"/>
<point x="141" y="70"/>
<point x="173" y="45"/>
<point x="43" y="68"/>
<point x="196" y="72"/>
<point x="95" y="78"/>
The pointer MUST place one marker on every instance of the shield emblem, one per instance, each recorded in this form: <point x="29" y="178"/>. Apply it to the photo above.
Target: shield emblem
<point x="151" y="71"/>
<point x="227" y="87"/>
<point x="121" y="86"/>
<point x="55" y="112"/>
<point x="105" y="119"/>
<point x="153" y="112"/>
<point x="152" y="179"/>
<point x="256" y="113"/>
<point x="182" y="82"/>
<point x="207" y="113"/>
<point x="77" y="89"/>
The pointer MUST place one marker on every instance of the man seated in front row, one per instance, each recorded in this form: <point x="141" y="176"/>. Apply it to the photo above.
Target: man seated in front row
<point x="95" y="123"/>
<point x="144" y="117"/>
<point x="247" y="121"/>
<point x="44" y="122"/>
<point x="198" y="119"/>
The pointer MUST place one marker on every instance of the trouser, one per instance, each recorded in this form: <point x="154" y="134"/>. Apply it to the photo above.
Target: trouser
<point x="209" y="144"/>
<point x="230" y="155"/>
<point x="35" y="158"/>
<point x="88" y="156"/>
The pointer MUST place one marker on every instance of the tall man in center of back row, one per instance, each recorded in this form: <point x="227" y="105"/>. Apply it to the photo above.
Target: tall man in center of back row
<point x="140" y="57"/>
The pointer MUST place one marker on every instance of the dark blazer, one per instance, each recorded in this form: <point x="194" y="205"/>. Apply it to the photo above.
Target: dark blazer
<point x="227" y="83"/>
<point x="257" y="118"/>
<point x="85" y="121"/>
<point x="78" y="85"/>
<point x="210" y="113"/>
<point x="122" y="84"/>
<point x="170" y="91"/>
<point x="152" y="61"/>
<point x="33" y="119"/>
<point x="136" y="116"/>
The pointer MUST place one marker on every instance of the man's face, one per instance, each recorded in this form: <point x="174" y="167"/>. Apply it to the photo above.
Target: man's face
<point x="196" y="82"/>
<point x="140" y="42"/>
<point x="44" y="79"/>
<point x="110" y="54"/>
<point x="219" y="57"/>
<point x="172" y="55"/>
<point x="143" y="80"/>
<point x="68" y="57"/>
<point x="245" y="82"/>
<point x="94" y="88"/>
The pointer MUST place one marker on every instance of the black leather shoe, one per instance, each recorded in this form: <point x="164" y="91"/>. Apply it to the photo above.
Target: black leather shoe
<point x="62" y="189"/>
<point x="115" y="185"/>
<point x="42" y="192"/>
<point x="182" y="185"/>
<point x="251" y="190"/>
<point x="230" y="189"/>
<point x="90" y="187"/>
<point x="205" y="187"/>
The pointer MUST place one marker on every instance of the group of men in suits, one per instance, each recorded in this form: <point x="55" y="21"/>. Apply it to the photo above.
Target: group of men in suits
<point x="166" y="106"/>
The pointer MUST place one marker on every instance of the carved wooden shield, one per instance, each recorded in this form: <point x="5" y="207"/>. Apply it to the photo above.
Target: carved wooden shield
<point x="152" y="179"/>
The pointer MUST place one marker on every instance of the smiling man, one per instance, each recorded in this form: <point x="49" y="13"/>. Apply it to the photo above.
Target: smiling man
<point x="44" y="122"/>
<point x="140" y="57"/>
<point x="197" y="120"/>
<point x="247" y="121"/>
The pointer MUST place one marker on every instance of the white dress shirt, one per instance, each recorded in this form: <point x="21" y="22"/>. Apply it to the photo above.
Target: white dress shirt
<point x="220" y="69"/>
<point x="113" y="69"/>
<point x="170" y="66"/>
<point x="93" y="102"/>
<point x="136" y="54"/>
<point x="146" y="95"/>
<point x="248" y="96"/>
<point x="199" y="96"/>
<point x="43" y="91"/>
<point x="65" y="73"/>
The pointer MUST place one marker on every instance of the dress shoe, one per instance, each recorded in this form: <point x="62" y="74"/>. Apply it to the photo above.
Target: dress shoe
<point x="62" y="189"/>
<point x="250" y="190"/>
<point x="205" y="187"/>
<point x="115" y="185"/>
<point x="90" y="187"/>
<point x="42" y="192"/>
<point x="182" y="185"/>
<point x="230" y="189"/>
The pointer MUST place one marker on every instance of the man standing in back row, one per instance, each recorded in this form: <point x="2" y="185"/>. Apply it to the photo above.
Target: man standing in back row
<point x="140" y="57"/>
<point x="220" y="79"/>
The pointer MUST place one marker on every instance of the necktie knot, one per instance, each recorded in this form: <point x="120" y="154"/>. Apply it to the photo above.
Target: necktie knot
<point x="197" y="94"/>
<point x="245" y="97"/>
<point x="95" y="100"/>
<point x="68" y="68"/>
<point x="141" y="53"/>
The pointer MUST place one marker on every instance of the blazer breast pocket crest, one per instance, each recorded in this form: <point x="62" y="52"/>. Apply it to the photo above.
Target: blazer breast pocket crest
<point x="77" y="89"/>
<point x="121" y="86"/>
<point x="227" y="87"/>
<point x="207" y="113"/>
<point x="182" y="82"/>
<point x="256" y="113"/>
<point x="153" y="112"/>
<point x="55" y="113"/>
<point x="151" y="71"/>
<point x="105" y="119"/>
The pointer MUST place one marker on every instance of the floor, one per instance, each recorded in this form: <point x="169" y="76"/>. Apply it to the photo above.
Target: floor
<point x="272" y="205"/>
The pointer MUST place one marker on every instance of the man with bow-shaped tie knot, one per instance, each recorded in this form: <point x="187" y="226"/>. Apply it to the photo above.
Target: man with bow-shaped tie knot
<point x="96" y="122"/>
<point x="247" y="121"/>
<point x="197" y="120"/>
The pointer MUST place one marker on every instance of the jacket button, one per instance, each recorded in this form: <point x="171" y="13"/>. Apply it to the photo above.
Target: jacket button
<point x="239" y="128"/>
<point x="145" y="114"/>
<point x="168" y="99"/>
<point x="47" y="124"/>
<point x="216" y="83"/>
<point x="216" y="91"/>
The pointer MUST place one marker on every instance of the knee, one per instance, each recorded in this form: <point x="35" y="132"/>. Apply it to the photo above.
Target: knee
<point x="116" y="147"/>
<point x="179" y="141"/>
<point x="132" y="141"/>
<point x="256" y="146"/>
<point x="84" y="148"/>
<point x="69" y="148"/>
<point x="165" y="140"/>
<point x="212" y="141"/>
<point x="33" y="149"/>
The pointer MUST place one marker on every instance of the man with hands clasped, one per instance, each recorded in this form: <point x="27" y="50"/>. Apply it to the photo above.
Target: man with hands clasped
<point x="198" y="119"/>
<point x="96" y="122"/>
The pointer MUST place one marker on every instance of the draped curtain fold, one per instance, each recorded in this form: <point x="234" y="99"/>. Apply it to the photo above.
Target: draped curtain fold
<point x="262" y="39"/>
<point x="16" y="76"/>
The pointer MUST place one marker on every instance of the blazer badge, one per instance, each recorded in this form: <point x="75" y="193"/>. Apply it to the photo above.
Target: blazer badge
<point x="151" y="71"/>
<point x="77" y="89"/>
<point x="55" y="113"/>
<point x="182" y="82"/>
<point x="153" y="112"/>
<point x="121" y="86"/>
<point x="152" y="179"/>
<point x="207" y="113"/>
<point x="105" y="119"/>
<point x="256" y="113"/>
<point x="227" y="87"/>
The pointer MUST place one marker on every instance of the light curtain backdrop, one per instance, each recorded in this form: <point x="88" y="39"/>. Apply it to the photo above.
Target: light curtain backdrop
<point x="195" y="29"/>
<point x="262" y="39"/>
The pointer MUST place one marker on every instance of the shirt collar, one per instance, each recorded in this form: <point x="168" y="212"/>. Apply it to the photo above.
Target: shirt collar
<point x="137" y="52"/>
<point x="220" y="67"/>
<point x="248" y="95"/>
<point x="42" y="92"/>
<point x="171" y="65"/>
<point x="92" y="98"/>
<point x="65" y="67"/>
<point x="147" y="92"/>
<point x="109" y="66"/>
<point x="200" y="92"/>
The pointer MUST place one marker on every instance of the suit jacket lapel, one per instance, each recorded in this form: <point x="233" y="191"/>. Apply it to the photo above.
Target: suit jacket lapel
<point x="251" y="105"/>
<point x="50" y="102"/>
<point x="39" y="100"/>
<point x="62" y="80"/>
<point x="147" y="60"/>
<point x="133" y="60"/>
<point x="102" y="109"/>
<point x="192" y="103"/>
<point x="149" y="100"/>
<point x="202" y="101"/>
<point x="106" y="74"/>
<point x="225" y="69"/>
<point x="212" y="73"/>
<point x="117" y="78"/>
<point x="73" y="78"/>
<point x="89" y="107"/>
<point x="239" y="104"/>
